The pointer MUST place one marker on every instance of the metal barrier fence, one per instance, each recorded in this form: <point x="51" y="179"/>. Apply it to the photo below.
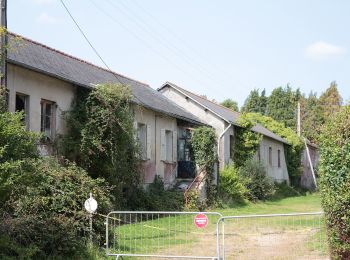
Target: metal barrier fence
<point x="162" y="235"/>
<point x="275" y="236"/>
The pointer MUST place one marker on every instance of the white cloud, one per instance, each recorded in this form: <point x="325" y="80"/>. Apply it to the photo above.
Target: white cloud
<point x="323" y="50"/>
<point x="45" y="18"/>
<point x="44" y="2"/>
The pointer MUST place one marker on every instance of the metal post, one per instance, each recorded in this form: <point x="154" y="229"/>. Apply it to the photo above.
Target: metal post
<point x="90" y="227"/>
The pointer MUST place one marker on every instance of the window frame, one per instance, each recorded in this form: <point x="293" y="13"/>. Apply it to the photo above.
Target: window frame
<point x="169" y="155"/>
<point x="26" y="107"/>
<point x="279" y="158"/>
<point x="52" y="119"/>
<point x="270" y="156"/>
<point x="142" y="143"/>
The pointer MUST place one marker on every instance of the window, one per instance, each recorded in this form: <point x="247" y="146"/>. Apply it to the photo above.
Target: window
<point x="142" y="139"/>
<point x="279" y="158"/>
<point x="232" y="146"/>
<point x="184" y="145"/>
<point x="22" y="104"/>
<point x="169" y="145"/>
<point x="168" y="140"/>
<point x="259" y="156"/>
<point x="48" y="119"/>
<point x="270" y="156"/>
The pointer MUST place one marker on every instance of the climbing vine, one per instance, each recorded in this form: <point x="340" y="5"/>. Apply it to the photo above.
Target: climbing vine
<point x="246" y="141"/>
<point x="101" y="138"/>
<point x="205" y="155"/>
<point x="293" y="151"/>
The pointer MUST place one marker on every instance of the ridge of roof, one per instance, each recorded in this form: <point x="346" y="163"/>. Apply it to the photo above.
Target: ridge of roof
<point x="73" y="57"/>
<point x="218" y="104"/>
<point x="254" y="128"/>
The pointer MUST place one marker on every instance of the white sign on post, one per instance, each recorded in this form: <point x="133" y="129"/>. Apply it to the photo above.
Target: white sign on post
<point x="90" y="204"/>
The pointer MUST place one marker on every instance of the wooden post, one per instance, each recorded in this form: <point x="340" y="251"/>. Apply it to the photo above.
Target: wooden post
<point x="3" y="42"/>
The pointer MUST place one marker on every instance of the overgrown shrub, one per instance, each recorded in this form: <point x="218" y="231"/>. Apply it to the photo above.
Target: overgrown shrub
<point x="283" y="190"/>
<point x="15" y="142"/>
<point x="101" y="126"/>
<point x="293" y="151"/>
<point x="156" y="198"/>
<point x="44" y="211"/>
<point x="246" y="141"/>
<point x="259" y="185"/>
<point x="232" y="184"/>
<point x="335" y="182"/>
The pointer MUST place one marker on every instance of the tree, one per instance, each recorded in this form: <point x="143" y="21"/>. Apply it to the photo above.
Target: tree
<point x="282" y="105"/>
<point x="255" y="102"/>
<point x="231" y="104"/>
<point x="331" y="101"/>
<point x="311" y="117"/>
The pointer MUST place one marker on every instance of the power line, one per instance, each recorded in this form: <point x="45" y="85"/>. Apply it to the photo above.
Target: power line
<point x="141" y="23"/>
<point x="165" y="42"/>
<point x="146" y="44"/>
<point x="93" y="48"/>
<point x="178" y="38"/>
<point x="88" y="41"/>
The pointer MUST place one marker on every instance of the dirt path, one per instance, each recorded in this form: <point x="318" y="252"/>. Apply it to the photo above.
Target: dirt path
<point x="262" y="243"/>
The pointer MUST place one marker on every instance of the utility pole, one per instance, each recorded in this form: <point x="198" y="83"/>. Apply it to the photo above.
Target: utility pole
<point x="3" y="43"/>
<point x="299" y="121"/>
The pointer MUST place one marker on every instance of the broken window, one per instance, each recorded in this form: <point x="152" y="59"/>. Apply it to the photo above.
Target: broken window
<point x="22" y="105"/>
<point x="48" y="119"/>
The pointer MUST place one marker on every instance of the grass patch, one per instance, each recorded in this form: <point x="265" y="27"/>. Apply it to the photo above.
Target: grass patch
<point x="306" y="203"/>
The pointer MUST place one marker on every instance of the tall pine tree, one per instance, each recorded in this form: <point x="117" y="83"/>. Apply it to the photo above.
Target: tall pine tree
<point x="311" y="117"/>
<point x="331" y="101"/>
<point x="282" y="105"/>
<point x="255" y="102"/>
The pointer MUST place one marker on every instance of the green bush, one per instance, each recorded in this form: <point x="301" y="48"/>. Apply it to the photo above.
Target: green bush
<point x="156" y="198"/>
<point x="44" y="210"/>
<point x="259" y="185"/>
<point x="283" y="190"/>
<point x="15" y="142"/>
<point x="232" y="184"/>
<point x="335" y="182"/>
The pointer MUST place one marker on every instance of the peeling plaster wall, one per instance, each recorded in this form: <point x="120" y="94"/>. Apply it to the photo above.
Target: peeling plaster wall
<point x="39" y="86"/>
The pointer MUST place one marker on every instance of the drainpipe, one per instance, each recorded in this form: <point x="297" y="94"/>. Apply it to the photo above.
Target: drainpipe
<point x="220" y="137"/>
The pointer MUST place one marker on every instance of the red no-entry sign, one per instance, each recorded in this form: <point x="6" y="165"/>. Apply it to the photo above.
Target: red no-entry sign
<point x="201" y="221"/>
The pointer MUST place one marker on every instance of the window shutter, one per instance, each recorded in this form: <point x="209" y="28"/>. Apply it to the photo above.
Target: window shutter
<point x="162" y="145"/>
<point x="174" y="146"/>
<point x="148" y="139"/>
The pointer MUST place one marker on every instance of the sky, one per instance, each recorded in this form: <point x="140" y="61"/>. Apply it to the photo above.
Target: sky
<point x="221" y="49"/>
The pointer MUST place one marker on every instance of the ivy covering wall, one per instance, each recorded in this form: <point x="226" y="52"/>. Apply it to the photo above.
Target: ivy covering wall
<point x="203" y="143"/>
<point x="293" y="151"/>
<point x="101" y="139"/>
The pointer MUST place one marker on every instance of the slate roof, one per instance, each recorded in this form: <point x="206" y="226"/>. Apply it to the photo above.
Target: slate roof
<point x="41" y="58"/>
<point x="223" y="112"/>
